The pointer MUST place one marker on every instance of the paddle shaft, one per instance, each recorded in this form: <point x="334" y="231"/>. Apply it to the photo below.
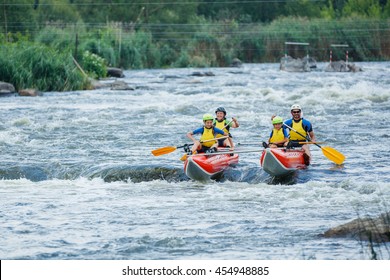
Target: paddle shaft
<point x="306" y="137"/>
<point x="185" y="145"/>
<point x="248" y="144"/>
<point x="203" y="141"/>
<point x="228" y="123"/>
<point x="227" y="152"/>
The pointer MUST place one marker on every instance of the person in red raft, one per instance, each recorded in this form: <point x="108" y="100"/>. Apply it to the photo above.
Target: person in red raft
<point x="301" y="130"/>
<point x="222" y="123"/>
<point x="278" y="136"/>
<point x="207" y="142"/>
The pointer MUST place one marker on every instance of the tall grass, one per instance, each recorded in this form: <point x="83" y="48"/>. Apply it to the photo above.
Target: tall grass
<point x="28" y="65"/>
<point x="367" y="39"/>
<point x="217" y="43"/>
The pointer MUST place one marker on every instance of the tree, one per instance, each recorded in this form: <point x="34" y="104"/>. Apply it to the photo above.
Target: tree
<point x="386" y="10"/>
<point x="58" y="11"/>
<point x="304" y="8"/>
<point x="256" y="11"/>
<point x="17" y="17"/>
<point x="365" y="8"/>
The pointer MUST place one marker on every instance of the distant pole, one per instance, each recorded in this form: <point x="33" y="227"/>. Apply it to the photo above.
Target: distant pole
<point x="120" y="39"/>
<point x="285" y="50"/>
<point x="76" y="45"/>
<point x="339" y="46"/>
<point x="346" y="57"/>
<point x="5" y="22"/>
<point x="307" y="51"/>
<point x="330" y="56"/>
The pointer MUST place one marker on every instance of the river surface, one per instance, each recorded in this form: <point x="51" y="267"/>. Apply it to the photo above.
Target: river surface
<point x="78" y="180"/>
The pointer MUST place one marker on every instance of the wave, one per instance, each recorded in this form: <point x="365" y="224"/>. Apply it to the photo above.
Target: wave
<point x="134" y="174"/>
<point x="34" y="174"/>
<point x="107" y="173"/>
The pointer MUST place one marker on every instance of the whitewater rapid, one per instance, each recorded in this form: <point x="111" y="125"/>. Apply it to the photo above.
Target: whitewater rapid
<point x="78" y="180"/>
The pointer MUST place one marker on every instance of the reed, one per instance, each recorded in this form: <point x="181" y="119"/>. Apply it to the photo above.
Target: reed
<point x="31" y="65"/>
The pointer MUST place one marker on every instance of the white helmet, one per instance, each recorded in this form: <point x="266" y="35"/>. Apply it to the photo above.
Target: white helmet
<point x="296" y="107"/>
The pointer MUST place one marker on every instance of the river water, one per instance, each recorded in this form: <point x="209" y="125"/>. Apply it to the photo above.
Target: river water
<point x="78" y="180"/>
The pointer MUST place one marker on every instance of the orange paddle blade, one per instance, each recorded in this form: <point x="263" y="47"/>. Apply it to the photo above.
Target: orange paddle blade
<point x="163" y="151"/>
<point x="333" y="155"/>
<point x="184" y="157"/>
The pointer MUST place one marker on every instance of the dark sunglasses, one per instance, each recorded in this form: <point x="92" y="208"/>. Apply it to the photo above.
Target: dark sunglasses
<point x="295" y="112"/>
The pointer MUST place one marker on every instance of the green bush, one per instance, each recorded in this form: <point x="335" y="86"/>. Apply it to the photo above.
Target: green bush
<point x="200" y="61"/>
<point x="168" y="55"/>
<point x="94" y="65"/>
<point x="101" y="48"/>
<point x="183" y="60"/>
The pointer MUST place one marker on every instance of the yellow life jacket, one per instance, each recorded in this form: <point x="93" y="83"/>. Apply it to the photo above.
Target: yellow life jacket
<point x="208" y="133"/>
<point x="221" y="125"/>
<point x="277" y="135"/>
<point x="298" y="127"/>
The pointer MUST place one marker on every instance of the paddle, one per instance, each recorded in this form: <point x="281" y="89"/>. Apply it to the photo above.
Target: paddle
<point x="330" y="153"/>
<point x="167" y="150"/>
<point x="170" y="149"/>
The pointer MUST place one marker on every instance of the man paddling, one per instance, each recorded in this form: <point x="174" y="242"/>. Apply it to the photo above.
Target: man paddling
<point x="207" y="142"/>
<point x="302" y="130"/>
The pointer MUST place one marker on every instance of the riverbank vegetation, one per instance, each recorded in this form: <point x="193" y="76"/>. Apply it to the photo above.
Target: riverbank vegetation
<point x="30" y="65"/>
<point x="173" y="33"/>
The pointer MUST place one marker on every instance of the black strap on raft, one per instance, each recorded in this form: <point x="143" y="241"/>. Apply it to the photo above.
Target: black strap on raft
<point x="187" y="148"/>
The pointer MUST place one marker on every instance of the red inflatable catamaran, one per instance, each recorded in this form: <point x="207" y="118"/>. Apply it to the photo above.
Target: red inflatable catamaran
<point x="203" y="167"/>
<point x="281" y="162"/>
